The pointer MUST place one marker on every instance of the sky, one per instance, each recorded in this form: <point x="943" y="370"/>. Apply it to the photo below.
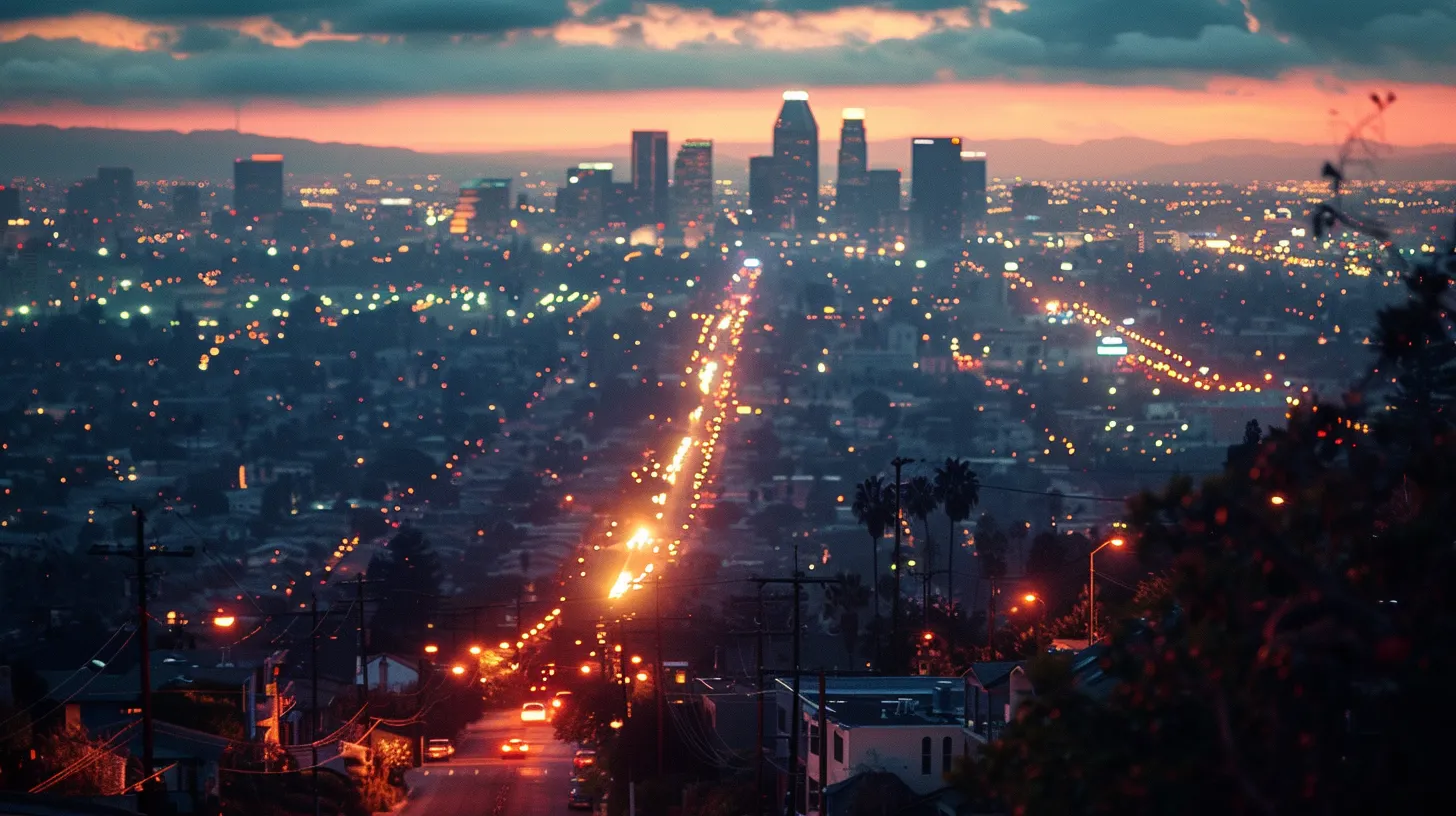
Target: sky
<point x="499" y="75"/>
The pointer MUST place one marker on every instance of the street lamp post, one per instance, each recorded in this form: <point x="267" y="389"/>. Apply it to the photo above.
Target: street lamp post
<point x="1040" y="627"/>
<point x="1116" y="541"/>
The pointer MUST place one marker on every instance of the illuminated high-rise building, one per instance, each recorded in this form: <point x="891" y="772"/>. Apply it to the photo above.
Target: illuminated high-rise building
<point x="851" y="200"/>
<point x="583" y="201"/>
<point x="258" y="185"/>
<point x="9" y="204"/>
<point x="765" y="191"/>
<point x="116" y="193"/>
<point x="692" y="186"/>
<point x="187" y="204"/>
<point x="483" y="208"/>
<point x="884" y="192"/>
<point x="935" y="189"/>
<point x="796" y="148"/>
<point x="649" y="176"/>
<point x="973" y="189"/>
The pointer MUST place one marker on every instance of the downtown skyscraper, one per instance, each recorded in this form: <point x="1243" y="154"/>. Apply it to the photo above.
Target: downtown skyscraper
<point x="851" y="202"/>
<point x="796" y="153"/>
<point x="692" y="186"/>
<point x="936" y="189"/>
<point x="258" y="185"/>
<point x="973" y="184"/>
<point x="649" y="176"/>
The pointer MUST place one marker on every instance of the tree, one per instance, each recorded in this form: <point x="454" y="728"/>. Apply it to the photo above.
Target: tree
<point x="920" y="502"/>
<point x="842" y="602"/>
<point x="871" y="510"/>
<point x="959" y="491"/>
<point x="991" y="544"/>
<point x="410" y="574"/>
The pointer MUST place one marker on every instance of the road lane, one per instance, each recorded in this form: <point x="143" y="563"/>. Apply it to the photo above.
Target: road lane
<point x="477" y="782"/>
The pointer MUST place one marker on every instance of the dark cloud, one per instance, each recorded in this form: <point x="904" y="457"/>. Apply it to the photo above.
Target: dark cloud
<point x="1169" y="42"/>
<point x="1099" y="23"/>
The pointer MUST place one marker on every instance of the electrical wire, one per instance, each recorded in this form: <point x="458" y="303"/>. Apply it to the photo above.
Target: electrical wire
<point x="58" y="706"/>
<point x="95" y="754"/>
<point x="72" y="676"/>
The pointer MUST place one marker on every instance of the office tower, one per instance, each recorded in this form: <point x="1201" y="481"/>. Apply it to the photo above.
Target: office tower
<point x="884" y="192"/>
<point x="624" y="207"/>
<point x="1029" y="201"/>
<point x="692" y="185"/>
<point x="973" y="182"/>
<point x="187" y="204"/>
<point x="935" y="189"/>
<point x="764" y="191"/>
<point x="258" y="185"/>
<point x="583" y="200"/>
<point x="9" y="204"/>
<point x="484" y="206"/>
<point x="851" y="200"/>
<point x="649" y="176"/>
<point x="116" y="194"/>
<point x="796" y="147"/>
<point x="81" y="220"/>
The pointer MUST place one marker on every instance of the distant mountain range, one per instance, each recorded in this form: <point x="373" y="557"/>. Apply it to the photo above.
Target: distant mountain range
<point x="69" y="153"/>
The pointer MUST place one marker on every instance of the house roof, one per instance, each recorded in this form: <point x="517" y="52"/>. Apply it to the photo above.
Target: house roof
<point x="988" y="675"/>
<point x="875" y="791"/>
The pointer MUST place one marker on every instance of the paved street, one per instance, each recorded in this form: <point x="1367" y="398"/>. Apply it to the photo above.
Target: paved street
<point x="477" y="782"/>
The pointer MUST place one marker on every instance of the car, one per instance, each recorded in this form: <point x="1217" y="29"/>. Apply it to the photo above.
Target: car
<point x="561" y="699"/>
<point x="439" y="750"/>
<point x="578" y="799"/>
<point x="514" y="748"/>
<point x="584" y="758"/>
<point x="533" y="712"/>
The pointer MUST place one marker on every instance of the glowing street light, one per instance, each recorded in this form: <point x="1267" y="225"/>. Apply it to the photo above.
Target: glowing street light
<point x="431" y="649"/>
<point x="1115" y="541"/>
<point x="475" y="650"/>
<point x="224" y="621"/>
<point x="457" y="670"/>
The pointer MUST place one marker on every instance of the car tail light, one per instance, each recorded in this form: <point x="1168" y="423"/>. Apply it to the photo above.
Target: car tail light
<point x="525" y="748"/>
<point x="505" y="747"/>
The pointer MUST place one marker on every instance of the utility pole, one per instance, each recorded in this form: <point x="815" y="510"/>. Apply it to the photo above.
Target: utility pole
<point x="661" y="674"/>
<point x="139" y="554"/>
<point x="758" y="659"/>
<point x="794" y="722"/>
<point x="823" y="747"/>
<point x="363" y="643"/>
<point x="897" y="649"/>
<point x="791" y="798"/>
<point x="314" y="703"/>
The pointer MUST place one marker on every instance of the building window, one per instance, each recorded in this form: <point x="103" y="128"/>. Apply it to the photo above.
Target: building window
<point x="838" y="747"/>
<point x="783" y="720"/>
<point x="813" y="739"/>
<point x="947" y="749"/>
<point x="925" y="756"/>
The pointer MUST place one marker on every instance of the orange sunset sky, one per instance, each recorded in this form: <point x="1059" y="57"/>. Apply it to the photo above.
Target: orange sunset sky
<point x="508" y="75"/>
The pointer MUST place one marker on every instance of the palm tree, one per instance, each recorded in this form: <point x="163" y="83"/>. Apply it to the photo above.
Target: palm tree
<point x="842" y="602"/>
<point x="920" y="502"/>
<point x="959" y="491"/>
<point x="872" y="511"/>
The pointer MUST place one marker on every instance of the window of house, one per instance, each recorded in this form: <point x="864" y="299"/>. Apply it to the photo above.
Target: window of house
<point x="838" y="747"/>
<point x="925" y="756"/>
<point x="813" y="739"/>
<point x="947" y="751"/>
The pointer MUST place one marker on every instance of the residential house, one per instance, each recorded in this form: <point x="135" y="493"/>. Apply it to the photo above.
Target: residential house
<point x="910" y="727"/>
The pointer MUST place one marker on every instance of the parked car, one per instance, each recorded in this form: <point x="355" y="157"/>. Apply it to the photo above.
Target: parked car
<point x="584" y="759"/>
<point x="577" y="798"/>
<point x="439" y="750"/>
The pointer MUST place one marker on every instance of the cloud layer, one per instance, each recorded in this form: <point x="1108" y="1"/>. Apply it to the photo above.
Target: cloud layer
<point x="121" y="51"/>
